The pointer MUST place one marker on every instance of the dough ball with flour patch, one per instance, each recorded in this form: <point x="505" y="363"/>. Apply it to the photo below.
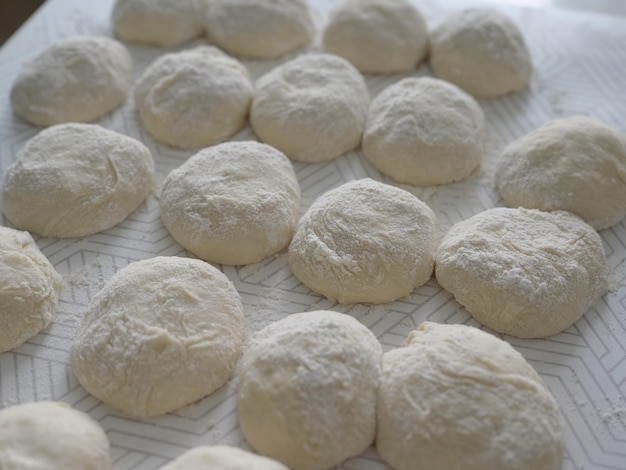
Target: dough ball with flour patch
<point x="457" y="397"/>
<point x="312" y="108"/>
<point x="424" y="131"/>
<point x="77" y="79"/>
<point x="50" y="435"/>
<point x="161" y="334"/>
<point x="222" y="458"/>
<point x="194" y="98"/>
<point x="307" y="389"/>
<point x="481" y="51"/>
<point x="366" y="242"/>
<point x="29" y="289"/>
<point x="234" y="203"/>
<point x="523" y="272"/>
<point x="72" y="180"/>
<point x="377" y="36"/>
<point x="577" y="164"/>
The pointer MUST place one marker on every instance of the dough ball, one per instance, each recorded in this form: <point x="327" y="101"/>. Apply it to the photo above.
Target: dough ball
<point x="481" y="51"/>
<point x="365" y="242"/>
<point x="194" y="98"/>
<point x="575" y="164"/>
<point x="307" y="389"/>
<point x="53" y="436"/>
<point x="162" y="333"/>
<point x="424" y="131"/>
<point x="312" y="108"/>
<point x="259" y="30"/>
<point x="29" y="289"/>
<point x="162" y="23"/>
<point x="377" y="36"/>
<point x="222" y="458"/>
<point x="78" y="79"/>
<point x="523" y="272"/>
<point x="234" y="203"/>
<point x="73" y="180"/>
<point x="458" y="397"/>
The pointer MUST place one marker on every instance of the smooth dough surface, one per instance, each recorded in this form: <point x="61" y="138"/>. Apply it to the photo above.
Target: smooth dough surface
<point x="577" y="164"/>
<point x="161" y="334"/>
<point x="523" y="272"/>
<point x="51" y="436"/>
<point x="222" y="458"/>
<point x="312" y="108"/>
<point x="194" y="98"/>
<point x="457" y="397"/>
<point x="481" y="51"/>
<point x="377" y="36"/>
<point x="29" y="289"/>
<point x="234" y="203"/>
<point x="307" y="389"/>
<point x="365" y="242"/>
<point x="72" y="180"/>
<point x="424" y="131"/>
<point x="77" y="79"/>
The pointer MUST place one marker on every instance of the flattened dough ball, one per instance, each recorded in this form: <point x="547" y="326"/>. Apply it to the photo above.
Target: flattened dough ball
<point x="77" y="79"/>
<point x="457" y="397"/>
<point x="161" y="334"/>
<point x="366" y="242"/>
<point x="52" y="436"/>
<point x="29" y="289"/>
<point x="523" y="272"/>
<point x="72" y="180"/>
<point x="222" y="458"/>
<point x="377" y="36"/>
<point x="312" y="108"/>
<point x="307" y="389"/>
<point x="577" y="164"/>
<point x="481" y="51"/>
<point x="234" y="203"/>
<point x="194" y="98"/>
<point x="424" y="131"/>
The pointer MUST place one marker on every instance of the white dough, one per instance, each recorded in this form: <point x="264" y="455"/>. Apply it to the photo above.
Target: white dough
<point x="72" y="180"/>
<point x="312" y="108"/>
<point x="523" y="272"/>
<point x="161" y="334"/>
<point x="51" y="436"/>
<point x="234" y="203"/>
<point x="29" y="289"/>
<point x="307" y="389"/>
<point x="481" y="51"/>
<point x="255" y="29"/>
<point x="377" y="36"/>
<point x="577" y="164"/>
<point x="77" y="79"/>
<point x="457" y="397"/>
<point x="222" y="458"/>
<point x="194" y="98"/>
<point x="424" y="131"/>
<point x="365" y="242"/>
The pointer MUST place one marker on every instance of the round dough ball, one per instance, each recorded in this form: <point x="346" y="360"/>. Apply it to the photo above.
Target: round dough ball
<point x="482" y="51"/>
<point x="222" y="458"/>
<point x="73" y="180"/>
<point x="575" y="164"/>
<point x="194" y="98"/>
<point x="424" y="131"/>
<point x="312" y="108"/>
<point x="53" y="436"/>
<point x="29" y="289"/>
<point x="458" y="397"/>
<point x="234" y="203"/>
<point x="377" y="36"/>
<point x="162" y="333"/>
<point x="307" y="389"/>
<point x="78" y="79"/>
<point x="259" y="30"/>
<point x="523" y="272"/>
